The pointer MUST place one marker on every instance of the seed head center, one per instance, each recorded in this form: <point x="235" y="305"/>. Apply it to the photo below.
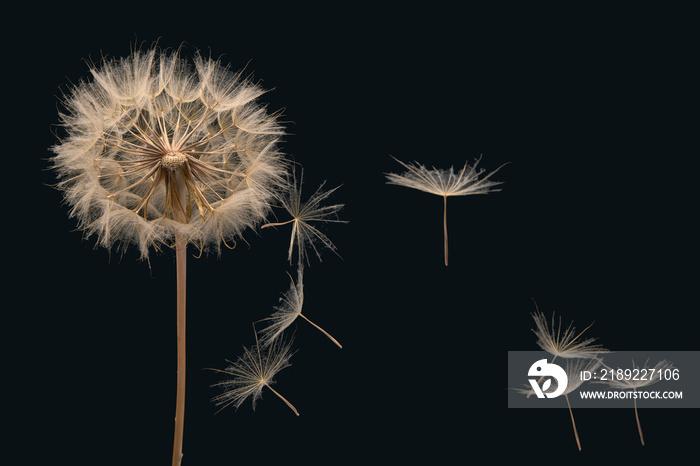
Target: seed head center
<point x="173" y="160"/>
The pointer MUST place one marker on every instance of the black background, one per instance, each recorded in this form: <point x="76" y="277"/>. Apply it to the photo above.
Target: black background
<point x="596" y="220"/>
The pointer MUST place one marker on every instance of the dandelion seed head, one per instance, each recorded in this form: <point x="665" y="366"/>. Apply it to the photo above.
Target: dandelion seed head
<point x="153" y="134"/>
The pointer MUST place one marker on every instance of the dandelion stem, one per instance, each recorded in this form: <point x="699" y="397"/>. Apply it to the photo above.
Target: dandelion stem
<point x="444" y="225"/>
<point x="181" y="266"/>
<point x="573" y="423"/>
<point x="324" y="332"/>
<point x="636" y="415"/>
<point x="291" y="406"/>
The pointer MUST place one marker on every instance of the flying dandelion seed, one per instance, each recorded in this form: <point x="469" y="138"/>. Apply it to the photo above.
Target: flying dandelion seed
<point x="251" y="373"/>
<point x="163" y="151"/>
<point x="445" y="183"/>
<point x="566" y="345"/>
<point x="634" y="384"/>
<point x="286" y="313"/>
<point x="304" y="214"/>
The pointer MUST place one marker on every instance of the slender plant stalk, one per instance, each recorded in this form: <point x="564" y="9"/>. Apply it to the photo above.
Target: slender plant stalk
<point x="444" y="225"/>
<point x="181" y="264"/>
<point x="573" y="423"/>
<point x="636" y="414"/>
<point x="323" y="331"/>
<point x="284" y="399"/>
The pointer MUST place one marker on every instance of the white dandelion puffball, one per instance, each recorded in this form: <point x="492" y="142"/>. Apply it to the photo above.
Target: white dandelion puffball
<point x="158" y="146"/>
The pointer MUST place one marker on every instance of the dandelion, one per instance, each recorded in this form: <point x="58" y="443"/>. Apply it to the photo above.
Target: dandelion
<point x="304" y="214"/>
<point x="159" y="148"/>
<point x="164" y="151"/>
<point x="251" y="373"/>
<point x="624" y="383"/>
<point x="290" y="307"/>
<point x="566" y="344"/>
<point x="445" y="183"/>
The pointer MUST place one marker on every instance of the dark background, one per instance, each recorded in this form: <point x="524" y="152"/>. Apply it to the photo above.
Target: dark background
<point x="596" y="220"/>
